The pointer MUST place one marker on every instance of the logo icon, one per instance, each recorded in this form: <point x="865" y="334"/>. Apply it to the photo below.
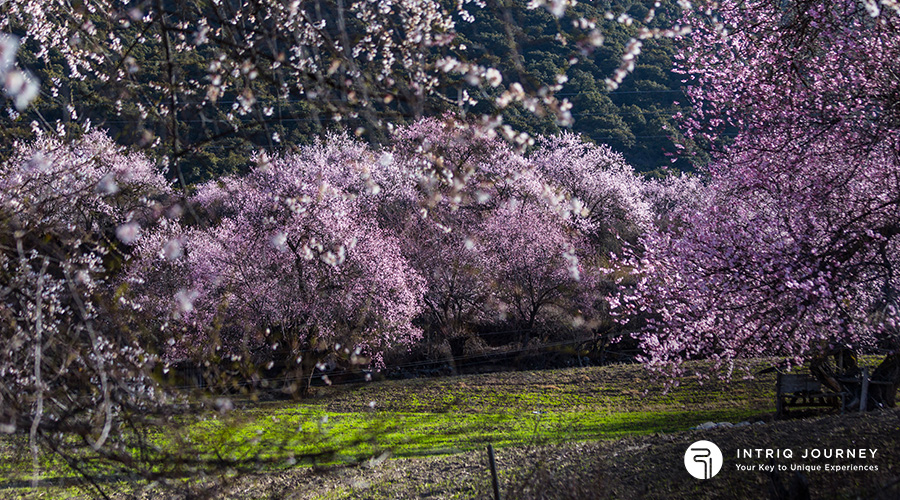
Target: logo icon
<point x="703" y="459"/>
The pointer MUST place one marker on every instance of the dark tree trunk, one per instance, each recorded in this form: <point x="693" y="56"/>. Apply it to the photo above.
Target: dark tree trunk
<point x="838" y="370"/>
<point x="886" y="380"/>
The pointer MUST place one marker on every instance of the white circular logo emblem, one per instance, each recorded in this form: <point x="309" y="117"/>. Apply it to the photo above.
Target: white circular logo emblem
<point x="703" y="459"/>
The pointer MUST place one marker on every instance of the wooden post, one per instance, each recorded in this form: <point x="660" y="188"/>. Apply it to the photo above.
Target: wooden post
<point x="864" y="396"/>
<point x="779" y="401"/>
<point x="494" y="480"/>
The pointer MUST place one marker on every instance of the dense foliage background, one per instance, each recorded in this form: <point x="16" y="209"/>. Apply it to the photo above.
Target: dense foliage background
<point x="634" y="119"/>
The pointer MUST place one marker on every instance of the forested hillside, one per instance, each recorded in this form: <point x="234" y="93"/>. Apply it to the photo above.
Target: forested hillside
<point x="635" y="119"/>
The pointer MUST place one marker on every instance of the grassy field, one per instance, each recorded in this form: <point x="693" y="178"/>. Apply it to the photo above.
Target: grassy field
<point x="600" y="433"/>
<point x="422" y="421"/>
<point x="437" y="416"/>
<point x="428" y="417"/>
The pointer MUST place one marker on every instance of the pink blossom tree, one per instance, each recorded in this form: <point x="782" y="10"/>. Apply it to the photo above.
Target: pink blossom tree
<point x="539" y="265"/>
<point x="791" y="249"/>
<point x="456" y="175"/>
<point x="91" y="185"/>
<point x="767" y="251"/>
<point x="672" y="197"/>
<point x="603" y="190"/>
<point x="71" y="363"/>
<point x="287" y="258"/>
<point x="508" y="238"/>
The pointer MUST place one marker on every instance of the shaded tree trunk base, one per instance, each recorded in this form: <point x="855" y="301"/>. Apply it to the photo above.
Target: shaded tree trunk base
<point x="839" y="371"/>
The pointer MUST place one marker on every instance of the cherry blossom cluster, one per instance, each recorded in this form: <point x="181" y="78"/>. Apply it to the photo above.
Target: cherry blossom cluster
<point x="290" y="253"/>
<point x="790" y="249"/>
<point x="70" y="362"/>
<point x="795" y="70"/>
<point x="20" y="86"/>
<point x="340" y="243"/>
<point x="503" y="236"/>
<point x="89" y="185"/>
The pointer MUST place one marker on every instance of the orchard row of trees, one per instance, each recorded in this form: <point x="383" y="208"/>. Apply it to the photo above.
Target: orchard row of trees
<point x="443" y="232"/>
<point x="111" y="275"/>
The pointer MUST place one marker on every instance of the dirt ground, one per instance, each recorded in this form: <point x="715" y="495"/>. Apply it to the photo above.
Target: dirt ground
<point x="639" y="467"/>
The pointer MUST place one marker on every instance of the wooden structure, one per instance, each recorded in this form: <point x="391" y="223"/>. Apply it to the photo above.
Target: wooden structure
<point x="858" y="391"/>
<point x="804" y="391"/>
<point x="868" y="391"/>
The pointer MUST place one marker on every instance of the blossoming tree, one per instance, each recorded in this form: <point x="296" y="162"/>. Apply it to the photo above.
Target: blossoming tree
<point x="70" y="363"/>
<point x="287" y="259"/>
<point x="792" y="248"/>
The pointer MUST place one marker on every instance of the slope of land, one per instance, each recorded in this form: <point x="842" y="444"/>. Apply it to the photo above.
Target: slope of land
<point x="632" y="467"/>
<point x="597" y="432"/>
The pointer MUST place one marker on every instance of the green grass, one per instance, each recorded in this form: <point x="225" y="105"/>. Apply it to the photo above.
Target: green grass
<point x="416" y="434"/>
<point x="436" y="416"/>
<point x="424" y="417"/>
